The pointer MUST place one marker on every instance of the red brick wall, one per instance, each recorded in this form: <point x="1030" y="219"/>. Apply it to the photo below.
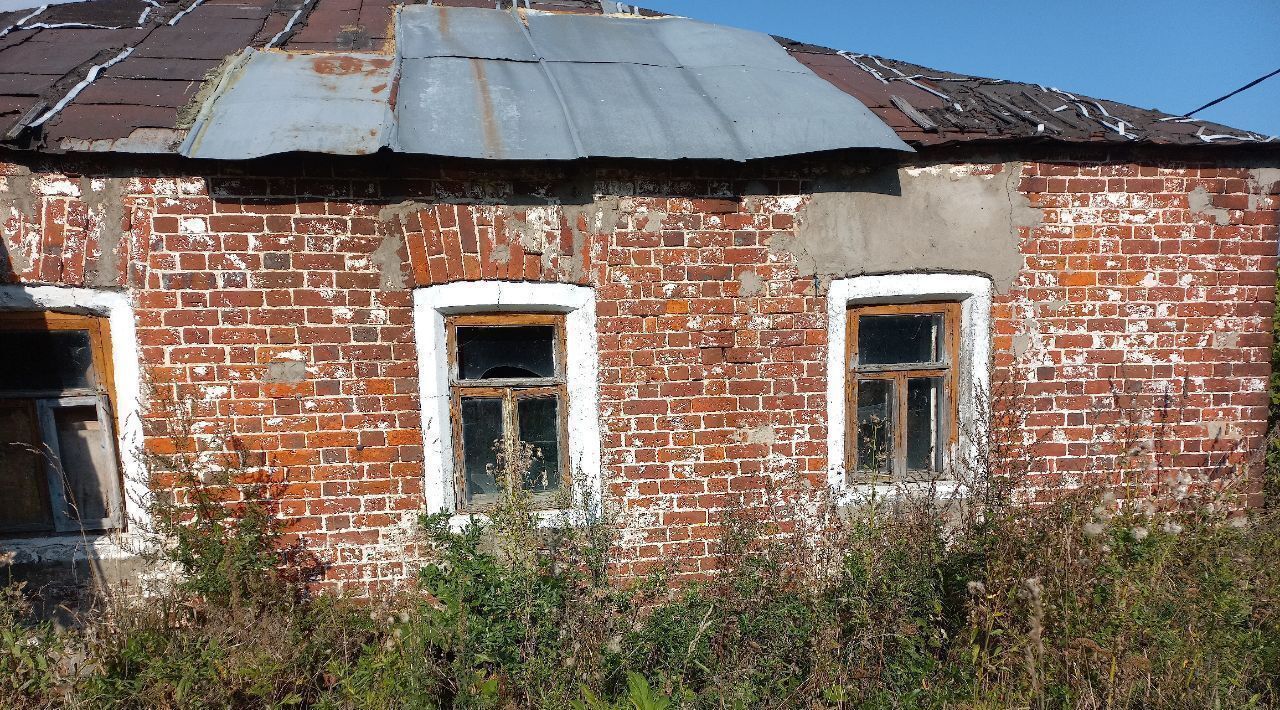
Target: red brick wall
<point x="707" y="391"/>
<point x="1143" y="326"/>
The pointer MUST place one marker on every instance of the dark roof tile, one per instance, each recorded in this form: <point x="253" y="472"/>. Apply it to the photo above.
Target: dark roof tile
<point x="106" y="13"/>
<point x="199" y="37"/>
<point x="172" y="68"/>
<point x="58" y="55"/>
<point x="99" y="121"/>
<point x="139" y="92"/>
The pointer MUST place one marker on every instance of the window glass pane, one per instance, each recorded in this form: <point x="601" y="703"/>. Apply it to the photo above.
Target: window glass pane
<point x="88" y="463"/>
<point x="506" y="351"/>
<point x="540" y="428"/>
<point x="481" y="442"/>
<point x="24" y="491"/>
<point x="924" y="423"/>
<point x="890" y="339"/>
<point x="46" y="360"/>
<point x="875" y="425"/>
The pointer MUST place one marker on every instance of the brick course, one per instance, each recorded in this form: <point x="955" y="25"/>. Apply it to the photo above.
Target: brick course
<point x="712" y="344"/>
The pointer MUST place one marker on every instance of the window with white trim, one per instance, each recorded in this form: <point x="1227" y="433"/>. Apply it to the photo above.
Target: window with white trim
<point x="59" y="470"/>
<point x="908" y="360"/>
<point x="508" y="371"/>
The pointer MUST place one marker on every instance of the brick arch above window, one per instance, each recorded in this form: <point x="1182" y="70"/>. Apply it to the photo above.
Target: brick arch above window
<point x="448" y="242"/>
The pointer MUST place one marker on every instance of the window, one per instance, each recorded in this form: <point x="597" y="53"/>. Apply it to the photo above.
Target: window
<point x="508" y="402"/>
<point x="58" y="465"/>
<point x="571" y="310"/>
<point x="901" y="390"/>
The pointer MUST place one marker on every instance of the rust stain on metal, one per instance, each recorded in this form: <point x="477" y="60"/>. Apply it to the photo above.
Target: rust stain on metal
<point x="346" y="65"/>
<point x="492" y="137"/>
<point x="444" y="21"/>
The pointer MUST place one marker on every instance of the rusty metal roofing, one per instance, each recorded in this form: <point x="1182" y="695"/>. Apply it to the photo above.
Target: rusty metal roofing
<point x="136" y="75"/>
<point x="499" y="85"/>
<point x="275" y="102"/>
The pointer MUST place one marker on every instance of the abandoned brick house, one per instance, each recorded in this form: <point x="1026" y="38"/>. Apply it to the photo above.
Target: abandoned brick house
<point x="381" y="248"/>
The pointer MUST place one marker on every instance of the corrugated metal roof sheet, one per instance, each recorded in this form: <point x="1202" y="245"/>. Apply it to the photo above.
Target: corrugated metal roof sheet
<point x="272" y="102"/>
<point x="483" y="83"/>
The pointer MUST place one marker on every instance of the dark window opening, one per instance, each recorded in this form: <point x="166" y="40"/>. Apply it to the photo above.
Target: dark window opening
<point x="509" y="400"/>
<point x="901" y="390"/>
<point x="59" y="471"/>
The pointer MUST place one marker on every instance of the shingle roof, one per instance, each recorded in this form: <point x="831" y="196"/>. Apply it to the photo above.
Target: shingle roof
<point x="132" y="75"/>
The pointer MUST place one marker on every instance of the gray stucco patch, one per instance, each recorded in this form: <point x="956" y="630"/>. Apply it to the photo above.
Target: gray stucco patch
<point x="751" y="284"/>
<point x="1201" y="202"/>
<point x="285" y="371"/>
<point x="940" y="217"/>
<point x="18" y="199"/>
<point x="389" y="262"/>
<point x="106" y="202"/>
<point x="1262" y="181"/>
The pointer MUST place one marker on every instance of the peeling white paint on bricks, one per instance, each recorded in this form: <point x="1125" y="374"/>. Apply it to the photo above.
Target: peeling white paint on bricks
<point x="578" y="303"/>
<point x="118" y="310"/>
<point x="974" y="295"/>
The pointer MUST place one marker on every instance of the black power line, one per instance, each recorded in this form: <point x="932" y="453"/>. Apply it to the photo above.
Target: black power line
<point x="1220" y="99"/>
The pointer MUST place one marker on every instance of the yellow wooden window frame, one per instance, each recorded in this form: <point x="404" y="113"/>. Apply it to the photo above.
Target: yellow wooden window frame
<point x="510" y="391"/>
<point x="946" y="369"/>
<point x="101" y="396"/>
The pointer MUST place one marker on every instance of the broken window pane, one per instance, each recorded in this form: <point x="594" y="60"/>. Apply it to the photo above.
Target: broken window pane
<point x="24" y="493"/>
<point x="924" y="423"/>
<point x="499" y="352"/>
<point x="87" y="462"/>
<point x="899" y="338"/>
<point x="875" y="425"/>
<point x="50" y="360"/>
<point x="481" y="442"/>
<point x="540" y="428"/>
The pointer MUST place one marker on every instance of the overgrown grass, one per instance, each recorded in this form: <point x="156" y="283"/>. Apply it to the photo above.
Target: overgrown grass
<point x="1088" y="602"/>
<point x="921" y="600"/>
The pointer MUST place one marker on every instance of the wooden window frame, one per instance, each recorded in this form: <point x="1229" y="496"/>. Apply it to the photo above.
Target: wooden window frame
<point x="45" y="402"/>
<point x="510" y="391"/>
<point x="899" y="373"/>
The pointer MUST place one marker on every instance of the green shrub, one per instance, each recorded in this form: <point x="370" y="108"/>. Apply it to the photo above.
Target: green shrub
<point x="918" y="601"/>
<point x="30" y="653"/>
<point x="1088" y="602"/>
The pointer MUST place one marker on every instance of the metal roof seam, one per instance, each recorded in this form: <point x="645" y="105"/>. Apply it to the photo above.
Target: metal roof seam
<point x="555" y="88"/>
<point x="191" y="143"/>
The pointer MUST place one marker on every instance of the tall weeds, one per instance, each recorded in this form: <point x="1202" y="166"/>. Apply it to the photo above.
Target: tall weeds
<point x="1159" y="595"/>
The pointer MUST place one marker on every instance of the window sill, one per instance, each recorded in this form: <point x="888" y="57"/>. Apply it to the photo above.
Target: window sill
<point x="94" y="546"/>
<point x="862" y="490"/>
<point x="548" y="518"/>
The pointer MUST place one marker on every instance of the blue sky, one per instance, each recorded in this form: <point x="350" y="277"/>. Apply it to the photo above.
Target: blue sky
<point x="1173" y="55"/>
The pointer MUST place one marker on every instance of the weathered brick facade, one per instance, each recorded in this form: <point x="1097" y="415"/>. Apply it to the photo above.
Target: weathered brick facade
<point x="1146" y="286"/>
